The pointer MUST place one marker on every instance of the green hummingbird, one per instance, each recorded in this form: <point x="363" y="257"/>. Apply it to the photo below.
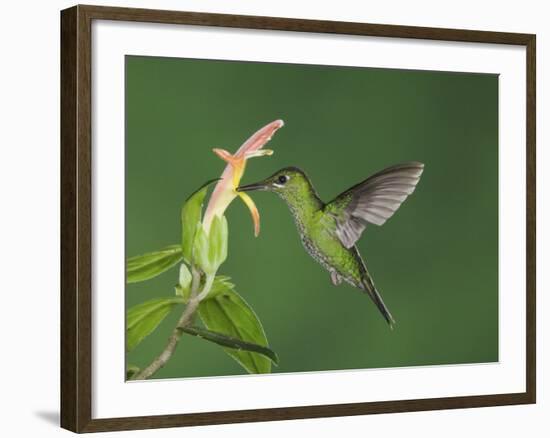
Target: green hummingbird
<point x="330" y="230"/>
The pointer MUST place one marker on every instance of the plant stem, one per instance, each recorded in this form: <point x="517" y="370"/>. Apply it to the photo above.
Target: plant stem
<point x="186" y="318"/>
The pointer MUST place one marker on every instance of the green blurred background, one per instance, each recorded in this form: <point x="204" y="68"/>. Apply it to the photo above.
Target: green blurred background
<point x="435" y="262"/>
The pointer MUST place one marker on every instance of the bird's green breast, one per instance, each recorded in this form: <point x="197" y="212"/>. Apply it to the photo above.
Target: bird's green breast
<point x="317" y="229"/>
<point x="321" y="242"/>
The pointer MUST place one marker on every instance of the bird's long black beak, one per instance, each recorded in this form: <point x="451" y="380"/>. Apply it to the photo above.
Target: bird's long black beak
<point x="255" y="186"/>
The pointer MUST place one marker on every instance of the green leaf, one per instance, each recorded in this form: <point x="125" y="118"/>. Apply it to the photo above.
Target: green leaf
<point x="220" y="285"/>
<point x="229" y="314"/>
<point x="131" y="370"/>
<point x="143" y="318"/>
<point x="230" y="342"/>
<point x="190" y="216"/>
<point x="146" y="266"/>
<point x="217" y="242"/>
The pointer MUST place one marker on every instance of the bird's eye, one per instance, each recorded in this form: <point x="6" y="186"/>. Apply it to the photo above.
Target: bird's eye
<point x="282" y="179"/>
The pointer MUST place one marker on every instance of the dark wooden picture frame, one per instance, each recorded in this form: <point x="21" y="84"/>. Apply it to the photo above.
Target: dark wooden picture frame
<point x="76" y="218"/>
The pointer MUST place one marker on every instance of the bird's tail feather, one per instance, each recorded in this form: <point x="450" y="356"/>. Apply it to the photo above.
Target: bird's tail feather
<point x="370" y="289"/>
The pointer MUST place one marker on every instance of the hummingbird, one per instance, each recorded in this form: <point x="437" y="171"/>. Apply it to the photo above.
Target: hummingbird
<point x="329" y="231"/>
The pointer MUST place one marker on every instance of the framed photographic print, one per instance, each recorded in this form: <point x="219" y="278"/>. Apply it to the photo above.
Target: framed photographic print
<point x="268" y="218"/>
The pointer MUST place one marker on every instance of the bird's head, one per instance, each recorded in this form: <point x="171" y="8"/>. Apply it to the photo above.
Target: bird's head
<point x="291" y="183"/>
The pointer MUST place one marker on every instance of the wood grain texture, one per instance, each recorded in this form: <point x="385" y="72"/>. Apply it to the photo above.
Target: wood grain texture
<point x="531" y="213"/>
<point x="76" y="250"/>
<point x="69" y="330"/>
<point x="76" y="220"/>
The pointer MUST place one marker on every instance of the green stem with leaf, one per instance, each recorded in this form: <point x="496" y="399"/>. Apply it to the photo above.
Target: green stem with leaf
<point x="229" y="321"/>
<point x="185" y="320"/>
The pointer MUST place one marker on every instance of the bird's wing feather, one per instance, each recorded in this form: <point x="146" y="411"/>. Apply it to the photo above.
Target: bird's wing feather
<point x="373" y="201"/>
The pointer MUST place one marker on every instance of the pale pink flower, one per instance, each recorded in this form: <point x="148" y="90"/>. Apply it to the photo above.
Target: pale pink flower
<point x="225" y="190"/>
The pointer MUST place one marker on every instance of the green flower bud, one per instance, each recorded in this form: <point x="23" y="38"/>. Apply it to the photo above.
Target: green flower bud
<point x="184" y="287"/>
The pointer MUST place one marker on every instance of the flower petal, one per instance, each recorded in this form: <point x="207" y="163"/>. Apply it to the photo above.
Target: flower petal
<point x="260" y="137"/>
<point x="253" y="211"/>
<point x="258" y="153"/>
<point x="224" y="155"/>
<point x="237" y="164"/>
<point x="225" y="190"/>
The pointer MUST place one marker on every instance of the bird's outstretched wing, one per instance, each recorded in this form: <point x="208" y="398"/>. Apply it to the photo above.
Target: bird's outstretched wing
<point x="373" y="201"/>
